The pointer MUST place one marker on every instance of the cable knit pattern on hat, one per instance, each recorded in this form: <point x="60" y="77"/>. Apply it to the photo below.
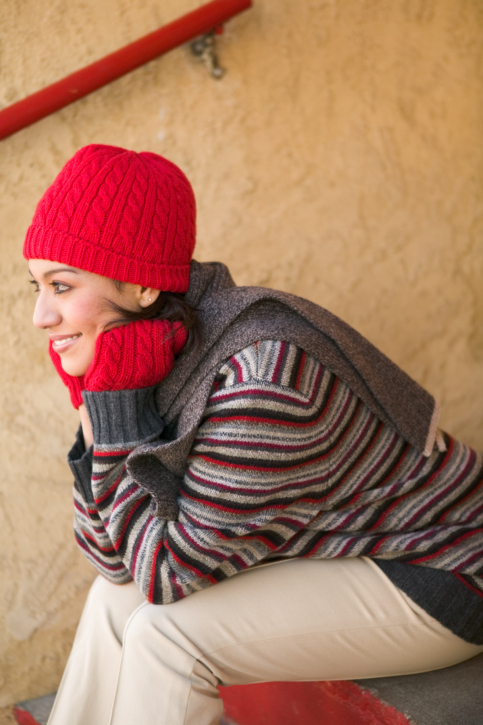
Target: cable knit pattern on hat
<point x="125" y="215"/>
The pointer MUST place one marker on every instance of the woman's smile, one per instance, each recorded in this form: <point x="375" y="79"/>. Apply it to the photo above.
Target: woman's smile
<point x="61" y="343"/>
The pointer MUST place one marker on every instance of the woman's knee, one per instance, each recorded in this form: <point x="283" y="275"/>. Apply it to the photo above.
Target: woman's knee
<point x="113" y="602"/>
<point x="157" y="623"/>
<point x="105" y="594"/>
<point x="145" y="620"/>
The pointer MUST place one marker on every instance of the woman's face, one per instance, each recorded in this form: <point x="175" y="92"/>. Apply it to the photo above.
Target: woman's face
<point x="73" y="305"/>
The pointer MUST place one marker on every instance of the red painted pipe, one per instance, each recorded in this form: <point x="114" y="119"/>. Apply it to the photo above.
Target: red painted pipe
<point x="113" y="66"/>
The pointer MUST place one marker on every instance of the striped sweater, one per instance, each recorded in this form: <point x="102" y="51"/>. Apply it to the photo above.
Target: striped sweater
<point x="287" y="462"/>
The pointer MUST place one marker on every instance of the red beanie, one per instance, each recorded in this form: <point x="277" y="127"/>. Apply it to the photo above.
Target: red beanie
<point x="120" y="214"/>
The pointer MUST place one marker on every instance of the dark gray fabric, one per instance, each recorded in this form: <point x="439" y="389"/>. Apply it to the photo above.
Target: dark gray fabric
<point x="123" y="417"/>
<point x="127" y="418"/>
<point x="441" y="595"/>
<point x="161" y="483"/>
<point x="80" y="463"/>
<point x="234" y="317"/>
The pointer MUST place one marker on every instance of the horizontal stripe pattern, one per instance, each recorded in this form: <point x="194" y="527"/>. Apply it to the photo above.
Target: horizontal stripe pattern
<point x="95" y="543"/>
<point x="288" y="462"/>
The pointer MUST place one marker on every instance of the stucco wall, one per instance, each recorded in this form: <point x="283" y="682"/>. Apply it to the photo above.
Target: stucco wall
<point x="340" y="158"/>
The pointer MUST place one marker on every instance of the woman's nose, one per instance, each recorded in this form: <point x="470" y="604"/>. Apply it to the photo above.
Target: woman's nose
<point x="45" y="313"/>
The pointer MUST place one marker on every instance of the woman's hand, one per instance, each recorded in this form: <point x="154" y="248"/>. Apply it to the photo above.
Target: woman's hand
<point x="74" y="384"/>
<point x="136" y="355"/>
<point x="86" y="426"/>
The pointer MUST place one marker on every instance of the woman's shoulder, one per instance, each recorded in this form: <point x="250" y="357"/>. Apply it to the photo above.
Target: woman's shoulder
<point x="272" y="363"/>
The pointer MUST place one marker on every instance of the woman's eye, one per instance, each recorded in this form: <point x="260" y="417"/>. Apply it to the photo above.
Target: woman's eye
<point x="59" y="287"/>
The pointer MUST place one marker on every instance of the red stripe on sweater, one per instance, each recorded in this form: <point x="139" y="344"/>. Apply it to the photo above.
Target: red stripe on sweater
<point x="218" y="507"/>
<point x="289" y="447"/>
<point x="133" y="489"/>
<point x="300" y="370"/>
<point x="140" y="543"/>
<point x="239" y="368"/>
<point x="114" y="454"/>
<point x="197" y="546"/>
<point x="272" y="490"/>
<point x="101" y="548"/>
<point x="111" y="488"/>
<point x="467" y="561"/>
<point x="404" y="496"/>
<point x="386" y="454"/>
<point x="466" y="583"/>
<point x="442" y="493"/>
<point x="102" y="564"/>
<point x="266" y="469"/>
<point x="278" y="364"/>
<point x="461" y="503"/>
<point x="465" y="536"/>
<point x="152" y="578"/>
<point x="186" y="565"/>
<point x="118" y="541"/>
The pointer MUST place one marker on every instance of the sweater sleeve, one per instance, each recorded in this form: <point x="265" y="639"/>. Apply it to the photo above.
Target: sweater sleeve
<point x="287" y="462"/>
<point x="239" y="502"/>
<point x="89" y="531"/>
<point x="129" y="417"/>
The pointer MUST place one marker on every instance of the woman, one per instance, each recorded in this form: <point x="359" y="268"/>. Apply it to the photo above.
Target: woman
<point x="277" y="501"/>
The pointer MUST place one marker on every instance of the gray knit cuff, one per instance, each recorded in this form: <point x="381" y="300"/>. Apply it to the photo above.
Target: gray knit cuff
<point x="123" y="417"/>
<point x="80" y="463"/>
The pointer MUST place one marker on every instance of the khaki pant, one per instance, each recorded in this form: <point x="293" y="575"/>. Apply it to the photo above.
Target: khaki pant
<point x="135" y="663"/>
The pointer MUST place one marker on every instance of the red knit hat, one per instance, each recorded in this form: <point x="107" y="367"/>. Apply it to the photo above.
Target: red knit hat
<point x="120" y="214"/>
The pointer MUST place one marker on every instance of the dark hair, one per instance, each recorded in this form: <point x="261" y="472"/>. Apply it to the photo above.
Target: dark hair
<point x="169" y="306"/>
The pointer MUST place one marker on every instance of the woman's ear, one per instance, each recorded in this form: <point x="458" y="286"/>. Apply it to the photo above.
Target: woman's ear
<point x="148" y="295"/>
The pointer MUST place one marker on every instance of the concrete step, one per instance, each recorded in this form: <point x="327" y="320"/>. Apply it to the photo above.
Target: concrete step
<point x="34" y="712"/>
<point x="453" y="696"/>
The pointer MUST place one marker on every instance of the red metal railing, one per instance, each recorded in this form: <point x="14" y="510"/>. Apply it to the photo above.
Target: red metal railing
<point x="113" y="66"/>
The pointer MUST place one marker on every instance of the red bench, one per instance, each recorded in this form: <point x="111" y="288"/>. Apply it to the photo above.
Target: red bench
<point x="453" y="696"/>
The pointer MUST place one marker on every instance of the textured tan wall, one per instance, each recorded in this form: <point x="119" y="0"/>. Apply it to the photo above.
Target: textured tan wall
<point x="340" y="158"/>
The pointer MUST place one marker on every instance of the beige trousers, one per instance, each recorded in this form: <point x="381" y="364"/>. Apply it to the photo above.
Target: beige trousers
<point x="135" y="663"/>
